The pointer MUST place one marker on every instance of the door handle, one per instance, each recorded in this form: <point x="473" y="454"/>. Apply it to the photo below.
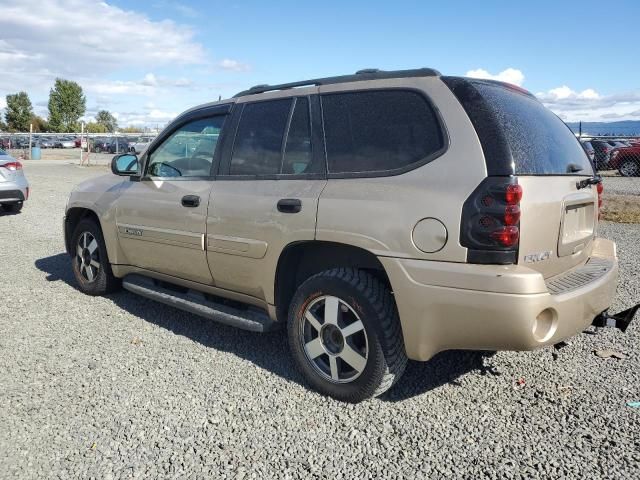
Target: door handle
<point x="190" y="201"/>
<point x="289" y="205"/>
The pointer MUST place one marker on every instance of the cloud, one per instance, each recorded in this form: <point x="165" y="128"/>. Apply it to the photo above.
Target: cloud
<point x="590" y="105"/>
<point x="233" y="65"/>
<point x="85" y="38"/>
<point x="509" y="75"/>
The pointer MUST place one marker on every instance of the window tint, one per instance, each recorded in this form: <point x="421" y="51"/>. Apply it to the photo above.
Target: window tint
<point x="188" y="152"/>
<point x="297" y="153"/>
<point x="540" y="143"/>
<point x="379" y="130"/>
<point x="258" y="146"/>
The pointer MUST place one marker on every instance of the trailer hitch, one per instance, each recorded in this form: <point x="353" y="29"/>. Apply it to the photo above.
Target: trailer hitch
<point x="620" y="320"/>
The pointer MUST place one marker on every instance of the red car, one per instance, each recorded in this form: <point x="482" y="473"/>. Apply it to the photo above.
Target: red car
<point x="626" y="160"/>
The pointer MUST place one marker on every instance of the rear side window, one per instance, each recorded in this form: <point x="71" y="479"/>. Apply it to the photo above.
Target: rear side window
<point x="379" y="131"/>
<point x="519" y="135"/>
<point x="258" y="146"/>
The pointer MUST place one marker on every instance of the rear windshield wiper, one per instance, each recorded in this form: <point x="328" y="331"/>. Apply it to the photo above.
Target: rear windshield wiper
<point x="596" y="179"/>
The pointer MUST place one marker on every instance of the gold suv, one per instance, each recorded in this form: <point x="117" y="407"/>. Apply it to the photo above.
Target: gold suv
<point x="380" y="216"/>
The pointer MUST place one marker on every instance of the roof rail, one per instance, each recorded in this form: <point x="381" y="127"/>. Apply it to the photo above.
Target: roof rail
<point x="359" y="76"/>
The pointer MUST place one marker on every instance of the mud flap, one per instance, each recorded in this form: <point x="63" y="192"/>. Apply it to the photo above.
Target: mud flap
<point x="620" y="320"/>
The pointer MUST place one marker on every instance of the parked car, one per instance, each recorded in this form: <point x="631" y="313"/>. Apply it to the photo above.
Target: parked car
<point x="626" y="160"/>
<point x="64" y="142"/>
<point x="410" y="226"/>
<point x="46" y="142"/>
<point x="14" y="187"/>
<point x="139" y="145"/>
<point x="602" y="150"/>
<point x="99" y="145"/>
<point x="118" y="145"/>
<point x="588" y="148"/>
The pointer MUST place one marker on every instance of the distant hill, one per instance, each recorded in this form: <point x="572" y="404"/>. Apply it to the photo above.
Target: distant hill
<point x="626" y="127"/>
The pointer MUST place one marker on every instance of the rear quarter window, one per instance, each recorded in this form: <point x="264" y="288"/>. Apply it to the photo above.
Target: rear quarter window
<point x="519" y="135"/>
<point x="380" y="131"/>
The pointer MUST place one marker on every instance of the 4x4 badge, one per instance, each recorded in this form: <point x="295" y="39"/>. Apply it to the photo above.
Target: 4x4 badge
<point x="537" y="257"/>
<point x="133" y="231"/>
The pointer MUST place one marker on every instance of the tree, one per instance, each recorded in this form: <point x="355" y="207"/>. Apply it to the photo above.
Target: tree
<point x="19" y="112"/>
<point x="107" y="120"/>
<point x="39" y="124"/>
<point x="93" y="127"/>
<point x="131" y="129"/>
<point x="67" y="104"/>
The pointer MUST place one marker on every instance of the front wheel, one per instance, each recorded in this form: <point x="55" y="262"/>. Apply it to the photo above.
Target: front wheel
<point x="345" y="336"/>
<point x="90" y="263"/>
<point x="630" y="168"/>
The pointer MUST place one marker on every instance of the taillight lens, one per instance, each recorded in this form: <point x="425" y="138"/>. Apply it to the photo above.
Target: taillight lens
<point x="600" y="188"/>
<point x="512" y="214"/>
<point x="13" y="166"/>
<point x="490" y="226"/>
<point x="513" y="194"/>
<point x="507" y="236"/>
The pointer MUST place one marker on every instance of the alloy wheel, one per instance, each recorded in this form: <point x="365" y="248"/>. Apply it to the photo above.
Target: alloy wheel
<point x="334" y="339"/>
<point x="88" y="256"/>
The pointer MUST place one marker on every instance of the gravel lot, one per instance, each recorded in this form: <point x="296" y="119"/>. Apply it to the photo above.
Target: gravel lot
<point x="622" y="185"/>
<point x="122" y="387"/>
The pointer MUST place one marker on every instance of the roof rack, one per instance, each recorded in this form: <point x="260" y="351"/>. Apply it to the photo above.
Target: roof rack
<point x="359" y="76"/>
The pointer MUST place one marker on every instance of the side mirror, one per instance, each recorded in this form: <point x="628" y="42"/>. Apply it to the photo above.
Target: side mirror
<point x="125" y="164"/>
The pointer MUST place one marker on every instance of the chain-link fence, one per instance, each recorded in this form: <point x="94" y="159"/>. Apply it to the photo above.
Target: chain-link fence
<point x="18" y="144"/>
<point x="617" y="160"/>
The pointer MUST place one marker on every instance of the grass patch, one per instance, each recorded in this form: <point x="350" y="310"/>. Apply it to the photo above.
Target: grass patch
<point x="621" y="208"/>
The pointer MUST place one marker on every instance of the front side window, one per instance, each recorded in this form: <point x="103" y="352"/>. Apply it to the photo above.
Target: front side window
<point x="378" y="131"/>
<point x="188" y="152"/>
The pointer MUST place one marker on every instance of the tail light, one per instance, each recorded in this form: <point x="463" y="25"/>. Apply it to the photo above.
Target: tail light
<point x="490" y="226"/>
<point x="600" y="188"/>
<point x="13" y="166"/>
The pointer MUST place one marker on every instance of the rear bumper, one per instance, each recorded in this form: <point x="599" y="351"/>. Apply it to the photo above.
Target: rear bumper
<point x="14" y="191"/>
<point x="485" y="307"/>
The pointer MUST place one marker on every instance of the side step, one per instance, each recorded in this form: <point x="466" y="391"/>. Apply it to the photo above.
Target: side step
<point x="251" y="318"/>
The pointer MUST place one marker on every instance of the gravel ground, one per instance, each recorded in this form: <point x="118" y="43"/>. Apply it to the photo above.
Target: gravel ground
<point x="622" y="185"/>
<point x="122" y="387"/>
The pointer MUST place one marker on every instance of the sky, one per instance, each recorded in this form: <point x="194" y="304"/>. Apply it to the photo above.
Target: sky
<point x="147" y="60"/>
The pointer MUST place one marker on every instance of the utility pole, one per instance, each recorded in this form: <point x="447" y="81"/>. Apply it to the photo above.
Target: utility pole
<point x="30" y="133"/>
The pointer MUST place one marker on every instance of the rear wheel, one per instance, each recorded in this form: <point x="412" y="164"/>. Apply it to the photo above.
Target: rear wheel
<point x="345" y="335"/>
<point x="630" y="168"/>
<point x="90" y="263"/>
<point x="12" y="207"/>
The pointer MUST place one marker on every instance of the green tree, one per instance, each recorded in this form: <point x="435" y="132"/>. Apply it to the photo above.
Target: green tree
<point x="39" y="124"/>
<point x="67" y="104"/>
<point x="107" y="120"/>
<point x="94" y="127"/>
<point x="131" y="129"/>
<point x="19" y="112"/>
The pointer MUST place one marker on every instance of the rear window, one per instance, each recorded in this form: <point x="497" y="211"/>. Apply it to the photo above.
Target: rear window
<point x="519" y="135"/>
<point x="379" y="131"/>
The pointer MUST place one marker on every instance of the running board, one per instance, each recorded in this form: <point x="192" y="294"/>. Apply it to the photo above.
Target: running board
<point x="251" y="318"/>
<point x="620" y="320"/>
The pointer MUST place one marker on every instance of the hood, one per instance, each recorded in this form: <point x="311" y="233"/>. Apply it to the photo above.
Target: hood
<point x="101" y="184"/>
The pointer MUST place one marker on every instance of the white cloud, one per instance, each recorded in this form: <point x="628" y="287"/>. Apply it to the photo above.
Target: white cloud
<point x="589" y="105"/>
<point x="509" y="75"/>
<point x="233" y="65"/>
<point x="84" y="38"/>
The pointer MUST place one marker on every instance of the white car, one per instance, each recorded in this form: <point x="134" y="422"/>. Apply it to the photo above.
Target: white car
<point x="14" y="188"/>
<point x="140" y="145"/>
<point x="65" y="143"/>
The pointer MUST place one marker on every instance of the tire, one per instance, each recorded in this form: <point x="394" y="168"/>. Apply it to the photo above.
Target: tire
<point x="12" y="207"/>
<point x="89" y="260"/>
<point x="630" y="168"/>
<point x="319" y="347"/>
